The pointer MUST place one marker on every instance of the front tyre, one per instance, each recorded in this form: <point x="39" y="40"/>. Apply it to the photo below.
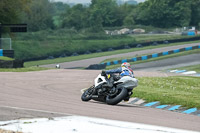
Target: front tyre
<point x="87" y="95"/>
<point x="113" y="100"/>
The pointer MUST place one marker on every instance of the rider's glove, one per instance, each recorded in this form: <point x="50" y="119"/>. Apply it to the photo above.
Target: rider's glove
<point x="103" y="73"/>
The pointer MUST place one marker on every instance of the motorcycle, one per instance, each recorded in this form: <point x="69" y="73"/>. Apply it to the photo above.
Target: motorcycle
<point x="111" y="89"/>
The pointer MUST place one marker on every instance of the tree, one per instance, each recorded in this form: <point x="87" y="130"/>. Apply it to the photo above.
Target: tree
<point x="129" y="20"/>
<point x="195" y="15"/>
<point x="165" y="13"/>
<point x="182" y="13"/>
<point x="10" y="10"/>
<point x="75" y="17"/>
<point x="40" y="15"/>
<point x="127" y="16"/>
<point x="107" y="11"/>
<point x="101" y="13"/>
<point x="96" y="20"/>
<point x="60" y="7"/>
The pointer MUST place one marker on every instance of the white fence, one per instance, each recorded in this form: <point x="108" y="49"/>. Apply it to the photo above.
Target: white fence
<point x="6" y="43"/>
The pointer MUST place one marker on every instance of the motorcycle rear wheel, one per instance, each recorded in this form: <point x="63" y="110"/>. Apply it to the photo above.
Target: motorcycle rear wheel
<point x="118" y="98"/>
<point x="87" y="95"/>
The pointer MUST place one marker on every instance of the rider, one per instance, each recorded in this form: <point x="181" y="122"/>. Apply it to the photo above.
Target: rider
<point x="124" y="70"/>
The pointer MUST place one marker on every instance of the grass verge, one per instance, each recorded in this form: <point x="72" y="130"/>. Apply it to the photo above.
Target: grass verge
<point x="28" y="69"/>
<point x="6" y="58"/>
<point x="183" y="91"/>
<point x="81" y="57"/>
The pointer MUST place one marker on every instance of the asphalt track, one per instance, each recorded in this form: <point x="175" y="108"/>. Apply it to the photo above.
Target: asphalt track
<point x="57" y="93"/>
<point x="87" y="62"/>
<point x="169" y="63"/>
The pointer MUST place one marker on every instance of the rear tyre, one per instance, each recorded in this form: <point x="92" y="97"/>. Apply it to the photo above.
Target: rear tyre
<point x="118" y="98"/>
<point x="87" y="95"/>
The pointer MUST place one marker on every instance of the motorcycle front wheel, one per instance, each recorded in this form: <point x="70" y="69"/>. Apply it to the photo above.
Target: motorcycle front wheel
<point x="113" y="100"/>
<point x="87" y="95"/>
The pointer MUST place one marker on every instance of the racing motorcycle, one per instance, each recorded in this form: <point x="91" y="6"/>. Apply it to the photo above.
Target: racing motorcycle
<point x="111" y="89"/>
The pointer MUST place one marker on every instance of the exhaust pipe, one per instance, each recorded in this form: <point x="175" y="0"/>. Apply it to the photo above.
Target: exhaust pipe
<point x="95" y="96"/>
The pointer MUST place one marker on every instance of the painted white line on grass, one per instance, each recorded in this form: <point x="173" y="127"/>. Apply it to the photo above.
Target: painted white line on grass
<point x="81" y="124"/>
<point x="190" y="72"/>
<point x="172" y="71"/>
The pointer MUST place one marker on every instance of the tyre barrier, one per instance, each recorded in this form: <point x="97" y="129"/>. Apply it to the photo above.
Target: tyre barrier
<point x="1" y="52"/>
<point x="7" y="53"/>
<point x="97" y="66"/>
<point x="11" y="64"/>
<point x="146" y="57"/>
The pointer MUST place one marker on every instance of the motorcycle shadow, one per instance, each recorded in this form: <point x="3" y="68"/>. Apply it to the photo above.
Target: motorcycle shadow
<point x="121" y="104"/>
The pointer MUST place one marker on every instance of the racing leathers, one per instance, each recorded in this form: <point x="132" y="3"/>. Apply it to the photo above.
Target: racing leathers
<point x="123" y="71"/>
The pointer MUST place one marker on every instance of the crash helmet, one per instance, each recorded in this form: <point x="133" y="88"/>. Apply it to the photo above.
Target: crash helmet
<point x="125" y="64"/>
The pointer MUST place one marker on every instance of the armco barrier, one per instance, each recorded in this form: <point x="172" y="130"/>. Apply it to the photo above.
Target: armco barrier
<point x="146" y="57"/>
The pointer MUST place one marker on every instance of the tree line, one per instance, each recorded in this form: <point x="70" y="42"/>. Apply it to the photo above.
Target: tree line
<point x="43" y="14"/>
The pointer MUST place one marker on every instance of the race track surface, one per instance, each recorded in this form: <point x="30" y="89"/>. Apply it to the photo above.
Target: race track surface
<point x="86" y="62"/>
<point x="170" y="63"/>
<point x="57" y="93"/>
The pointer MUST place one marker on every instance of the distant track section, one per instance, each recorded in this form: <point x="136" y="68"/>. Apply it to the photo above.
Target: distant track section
<point x="87" y="62"/>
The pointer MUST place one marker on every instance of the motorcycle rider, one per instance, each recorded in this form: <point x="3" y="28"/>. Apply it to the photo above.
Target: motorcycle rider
<point x="124" y="70"/>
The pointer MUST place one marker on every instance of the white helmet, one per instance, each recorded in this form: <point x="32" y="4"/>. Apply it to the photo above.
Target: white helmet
<point x="125" y="64"/>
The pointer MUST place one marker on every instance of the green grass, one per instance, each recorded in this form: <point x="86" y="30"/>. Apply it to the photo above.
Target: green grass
<point x="23" y="69"/>
<point x="6" y="58"/>
<point x="156" y="37"/>
<point x="67" y="41"/>
<point x="56" y="43"/>
<point x="191" y="68"/>
<point x="183" y="91"/>
<point x="81" y="57"/>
